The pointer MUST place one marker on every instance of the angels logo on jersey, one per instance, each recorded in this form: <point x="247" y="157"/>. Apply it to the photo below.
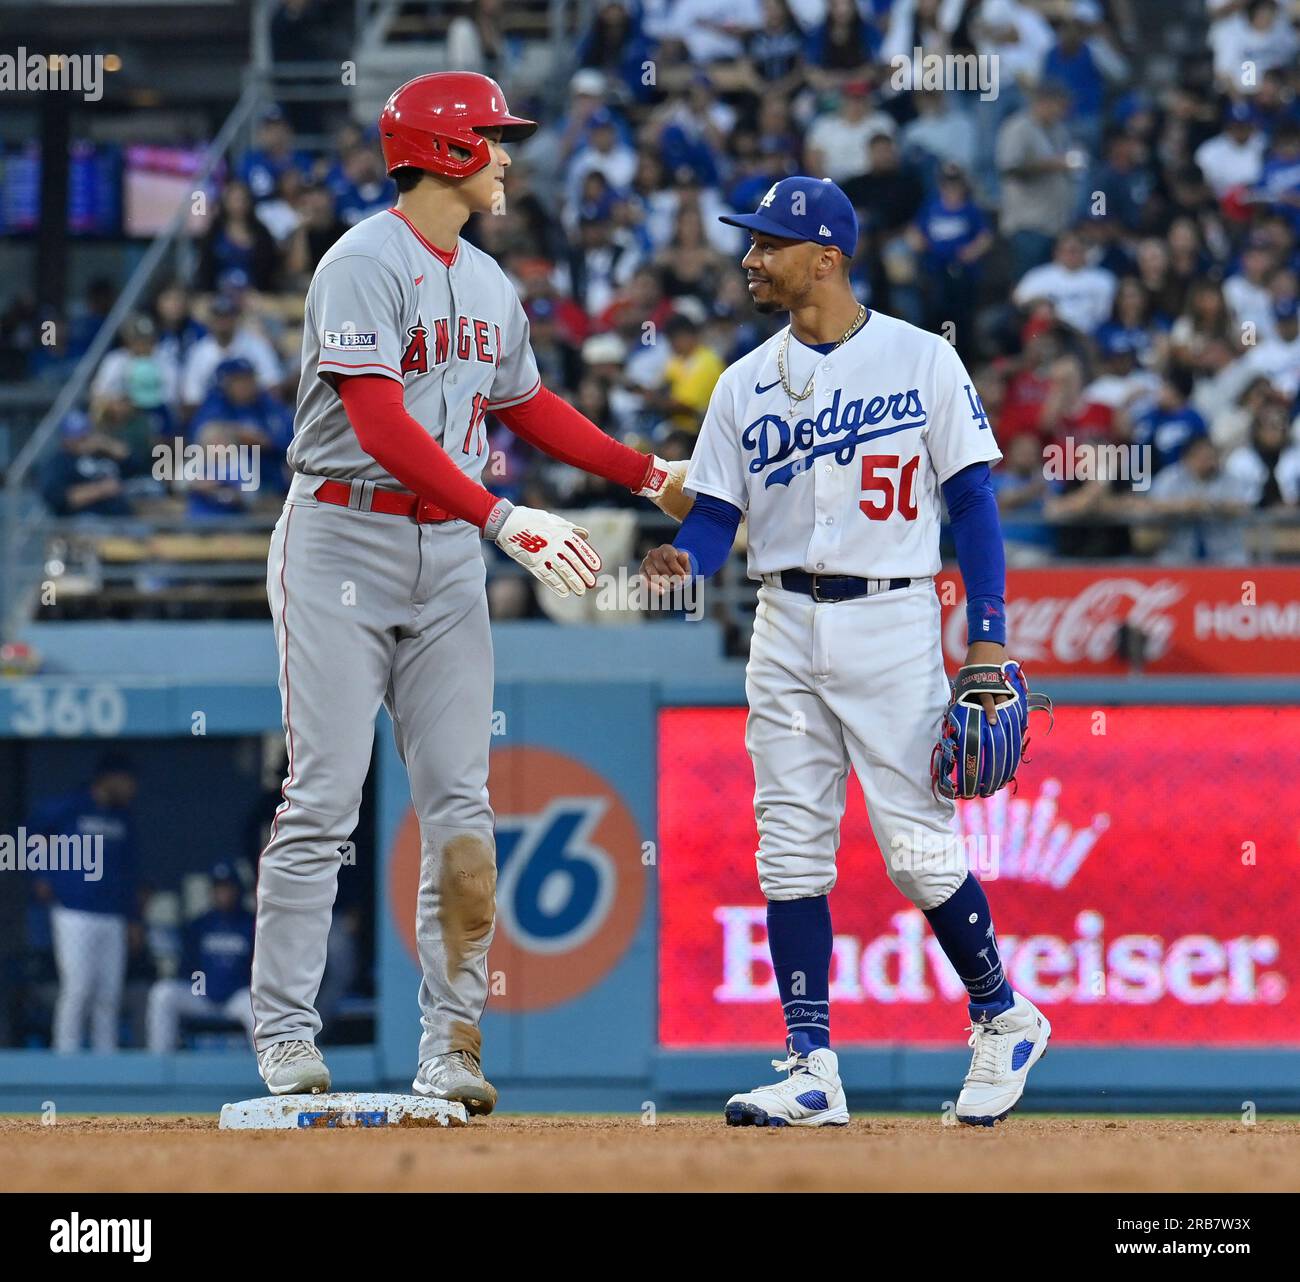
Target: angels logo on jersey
<point x="415" y="360"/>
<point x="788" y="449"/>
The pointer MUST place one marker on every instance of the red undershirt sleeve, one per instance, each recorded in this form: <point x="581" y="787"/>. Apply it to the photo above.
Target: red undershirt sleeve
<point x="556" y="428"/>
<point x="374" y="406"/>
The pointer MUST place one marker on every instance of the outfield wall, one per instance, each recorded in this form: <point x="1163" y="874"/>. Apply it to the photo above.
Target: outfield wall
<point x="629" y="963"/>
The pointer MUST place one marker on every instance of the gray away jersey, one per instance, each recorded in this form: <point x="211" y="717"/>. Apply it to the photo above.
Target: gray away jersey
<point x="847" y="481"/>
<point x="384" y="301"/>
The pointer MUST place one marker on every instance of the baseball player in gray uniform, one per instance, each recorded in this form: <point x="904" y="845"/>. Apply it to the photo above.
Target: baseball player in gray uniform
<point x="376" y="576"/>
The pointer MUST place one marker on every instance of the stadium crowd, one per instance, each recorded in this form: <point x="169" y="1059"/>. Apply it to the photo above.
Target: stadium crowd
<point x="1117" y="264"/>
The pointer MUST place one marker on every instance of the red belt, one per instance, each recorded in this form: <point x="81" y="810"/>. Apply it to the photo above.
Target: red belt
<point x="390" y="502"/>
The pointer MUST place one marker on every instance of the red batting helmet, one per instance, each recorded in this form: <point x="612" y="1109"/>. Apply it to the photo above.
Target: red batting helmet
<point x="429" y="115"/>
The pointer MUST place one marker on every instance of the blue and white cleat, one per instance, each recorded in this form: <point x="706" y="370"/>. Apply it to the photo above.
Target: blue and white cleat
<point x="811" y="1095"/>
<point x="1005" y="1049"/>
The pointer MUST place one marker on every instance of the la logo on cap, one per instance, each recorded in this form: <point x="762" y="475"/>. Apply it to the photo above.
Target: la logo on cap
<point x="769" y="198"/>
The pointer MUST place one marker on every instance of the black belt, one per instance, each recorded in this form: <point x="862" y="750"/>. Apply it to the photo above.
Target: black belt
<point x="837" y="587"/>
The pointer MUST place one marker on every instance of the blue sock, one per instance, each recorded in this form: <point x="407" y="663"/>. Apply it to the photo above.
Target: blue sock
<point x="963" y="925"/>
<point x="800" y="940"/>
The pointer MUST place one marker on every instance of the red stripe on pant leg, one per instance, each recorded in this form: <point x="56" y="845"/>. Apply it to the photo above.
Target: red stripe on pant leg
<point x="288" y="725"/>
<point x="288" y="690"/>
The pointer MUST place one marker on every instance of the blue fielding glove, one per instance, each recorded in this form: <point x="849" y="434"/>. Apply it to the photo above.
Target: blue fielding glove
<point x="976" y="757"/>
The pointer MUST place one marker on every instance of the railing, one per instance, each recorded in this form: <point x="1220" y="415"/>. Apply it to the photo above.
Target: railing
<point x="76" y="548"/>
<point x="24" y="524"/>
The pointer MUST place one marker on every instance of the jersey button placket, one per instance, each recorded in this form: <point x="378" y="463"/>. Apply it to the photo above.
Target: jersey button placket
<point x="824" y="488"/>
<point x="449" y="374"/>
<point x="823" y="491"/>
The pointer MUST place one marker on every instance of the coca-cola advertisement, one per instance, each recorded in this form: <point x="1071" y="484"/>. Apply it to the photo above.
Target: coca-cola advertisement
<point x="1144" y="878"/>
<point x="1100" y="619"/>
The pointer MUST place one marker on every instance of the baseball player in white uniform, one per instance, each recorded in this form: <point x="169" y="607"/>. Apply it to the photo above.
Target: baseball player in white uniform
<point x="833" y="440"/>
<point x="376" y="575"/>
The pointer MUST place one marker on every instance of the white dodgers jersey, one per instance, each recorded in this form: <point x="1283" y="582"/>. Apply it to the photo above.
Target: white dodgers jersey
<point x="846" y="481"/>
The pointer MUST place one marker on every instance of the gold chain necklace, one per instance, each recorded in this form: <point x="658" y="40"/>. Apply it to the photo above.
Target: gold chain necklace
<point x="795" y="398"/>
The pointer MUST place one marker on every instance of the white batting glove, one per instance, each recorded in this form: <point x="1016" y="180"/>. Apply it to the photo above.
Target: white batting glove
<point x="551" y="549"/>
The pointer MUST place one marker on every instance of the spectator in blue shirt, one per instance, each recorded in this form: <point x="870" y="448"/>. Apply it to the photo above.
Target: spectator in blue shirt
<point x="216" y="968"/>
<point x="1070" y="62"/>
<point x="1171" y="424"/>
<point x="238" y="413"/>
<point x="1279" y="184"/>
<point x="1125" y="178"/>
<point x="236" y="397"/>
<point x="365" y="188"/>
<point x="691" y="140"/>
<point x="951" y="235"/>
<point x="260" y="169"/>
<point x="329" y="170"/>
<point x="1022" y="491"/>
<point x="90" y="836"/>
<point x="616" y="45"/>
<point x="85" y="477"/>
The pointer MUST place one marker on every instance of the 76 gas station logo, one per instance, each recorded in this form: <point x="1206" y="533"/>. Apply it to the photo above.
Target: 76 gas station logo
<point x="555" y="885"/>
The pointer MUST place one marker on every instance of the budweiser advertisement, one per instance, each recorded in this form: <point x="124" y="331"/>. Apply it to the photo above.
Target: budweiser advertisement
<point x="1144" y="878"/>
<point x="1094" y="620"/>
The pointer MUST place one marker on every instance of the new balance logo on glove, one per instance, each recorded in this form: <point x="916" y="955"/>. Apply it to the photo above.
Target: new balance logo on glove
<point x="529" y="542"/>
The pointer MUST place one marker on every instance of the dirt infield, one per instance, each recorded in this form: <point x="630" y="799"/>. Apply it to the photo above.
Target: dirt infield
<point x="679" y="1153"/>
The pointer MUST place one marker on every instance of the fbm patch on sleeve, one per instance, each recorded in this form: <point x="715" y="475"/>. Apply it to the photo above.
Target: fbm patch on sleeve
<point x="351" y="340"/>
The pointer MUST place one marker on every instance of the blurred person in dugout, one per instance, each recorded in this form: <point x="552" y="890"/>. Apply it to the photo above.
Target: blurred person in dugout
<point x="93" y="906"/>
<point x="216" y="968"/>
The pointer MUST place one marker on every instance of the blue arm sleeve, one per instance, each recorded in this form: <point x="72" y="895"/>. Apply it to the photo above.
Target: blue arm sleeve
<point x="973" y="512"/>
<point x="707" y="534"/>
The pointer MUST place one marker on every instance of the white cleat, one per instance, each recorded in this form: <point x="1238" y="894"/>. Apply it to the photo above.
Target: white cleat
<point x="457" y="1076"/>
<point x="811" y="1095"/>
<point x="293" y="1068"/>
<point x="1005" y="1049"/>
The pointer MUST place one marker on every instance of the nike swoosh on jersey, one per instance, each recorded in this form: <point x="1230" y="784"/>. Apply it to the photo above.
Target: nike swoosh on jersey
<point x="760" y="389"/>
<point x="419" y="280"/>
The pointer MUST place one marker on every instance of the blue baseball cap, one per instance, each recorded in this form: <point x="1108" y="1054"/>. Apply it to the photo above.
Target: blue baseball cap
<point x="1286" y="308"/>
<point x="233" y="365"/>
<point x="803" y="208"/>
<point x="224" y="872"/>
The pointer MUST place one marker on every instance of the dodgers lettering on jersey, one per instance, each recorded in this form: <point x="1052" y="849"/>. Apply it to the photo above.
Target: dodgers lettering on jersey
<point x="846" y="482"/>
<point x="455" y="336"/>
